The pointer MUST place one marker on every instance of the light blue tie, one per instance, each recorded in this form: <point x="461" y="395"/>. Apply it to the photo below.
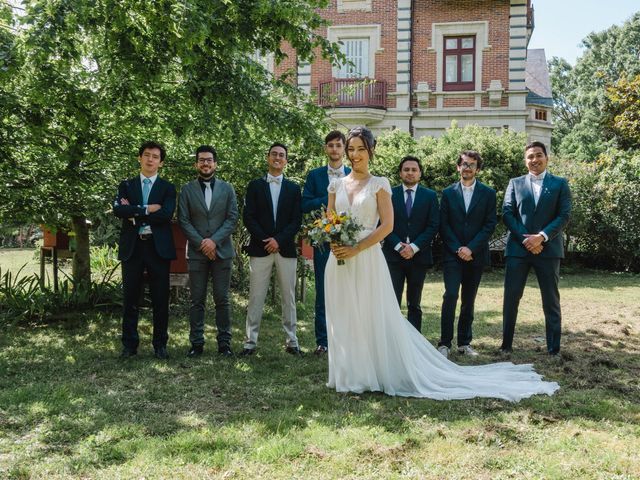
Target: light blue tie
<point x="146" y="189"/>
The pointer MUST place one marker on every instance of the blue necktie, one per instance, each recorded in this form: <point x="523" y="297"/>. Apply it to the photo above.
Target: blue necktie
<point x="146" y="188"/>
<point x="409" y="204"/>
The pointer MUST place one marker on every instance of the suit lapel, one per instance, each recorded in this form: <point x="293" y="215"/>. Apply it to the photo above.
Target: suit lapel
<point x="267" y="194"/>
<point x="215" y="194"/>
<point x="547" y="184"/>
<point x="136" y="189"/>
<point x="459" y="197"/>
<point x="528" y="200"/>
<point x="398" y="198"/>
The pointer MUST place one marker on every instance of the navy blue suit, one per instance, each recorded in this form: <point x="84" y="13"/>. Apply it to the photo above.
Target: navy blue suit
<point x="469" y="228"/>
<point x="314" y="196"/>
<point x="153" y="255"/>
<point x="522" y="216"/>
<point x="420" y="228"/>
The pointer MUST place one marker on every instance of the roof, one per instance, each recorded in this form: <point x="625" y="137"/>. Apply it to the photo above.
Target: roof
<point x="537" y="78"/>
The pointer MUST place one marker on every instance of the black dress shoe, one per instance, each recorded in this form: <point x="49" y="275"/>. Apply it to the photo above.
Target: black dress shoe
<point x="505" y="351"/>
<point x="161" y="353"/>
<point x="321" y="350"/>
<point x="246" y="352"/>
<point x="195" y="351"/>
<point x="293" y="350"/>
<point x="128" y="353"/>
<point x="225" y="351"/>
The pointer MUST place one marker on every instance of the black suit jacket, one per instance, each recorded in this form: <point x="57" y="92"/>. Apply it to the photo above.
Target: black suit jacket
<point x="163" y="193"/>
<point x="421" y="227"/>
<point x="258" y="217"/>
<point x="472" y="228"/>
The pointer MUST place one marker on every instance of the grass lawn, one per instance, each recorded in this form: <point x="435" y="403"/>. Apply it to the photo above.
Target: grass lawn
<point x="69" y="408"/>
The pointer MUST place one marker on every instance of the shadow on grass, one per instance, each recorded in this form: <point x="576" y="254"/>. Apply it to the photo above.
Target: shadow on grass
<point x="64" y="385"/>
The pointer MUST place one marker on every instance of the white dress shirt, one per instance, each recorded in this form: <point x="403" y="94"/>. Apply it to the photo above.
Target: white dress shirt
<point x="536" y="186"/>
<point x="413" y="189"/>
<point x="275" y="185"/>
<point x="467" y="193"/>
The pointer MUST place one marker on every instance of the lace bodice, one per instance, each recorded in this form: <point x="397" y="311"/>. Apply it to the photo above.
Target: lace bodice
<point x="364" y="208"/>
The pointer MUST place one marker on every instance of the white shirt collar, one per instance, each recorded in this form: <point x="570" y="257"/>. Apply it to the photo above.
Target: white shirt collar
<point x="153" y="178"/>
<point x="538" y="177"/>
<point x="405" y="188"/>
<point x="470" y="187"/>
<point x="281" y="176"/>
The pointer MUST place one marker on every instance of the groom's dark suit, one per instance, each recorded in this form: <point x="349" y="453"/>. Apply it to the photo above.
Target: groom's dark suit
<point x="522" y="216"/>
<point x="419" y="228"/>
<point x="314" y="196"/>
<point x="139" y="253"/>
<point x="469" y="228"/>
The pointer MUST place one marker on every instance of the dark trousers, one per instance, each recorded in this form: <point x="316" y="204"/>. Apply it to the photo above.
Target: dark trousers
<point x="320" y="258"/>
<point x="145" y="258"/>
<point x="219" y="271"/>
<point x="459" y="274"/>
<point x="548" y="273"/>
<point x="413" y="273"/>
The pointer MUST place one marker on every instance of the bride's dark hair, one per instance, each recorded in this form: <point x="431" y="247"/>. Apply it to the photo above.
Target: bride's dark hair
<point x="364" y="134"/>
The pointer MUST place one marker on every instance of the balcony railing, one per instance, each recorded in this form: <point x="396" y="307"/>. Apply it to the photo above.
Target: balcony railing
<point x="353" y="92"/>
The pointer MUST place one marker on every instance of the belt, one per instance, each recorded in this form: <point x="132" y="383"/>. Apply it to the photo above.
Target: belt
<point x="145" y="236"/>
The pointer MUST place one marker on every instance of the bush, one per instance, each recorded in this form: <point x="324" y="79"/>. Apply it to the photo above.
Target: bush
<point x="605" y="222"/>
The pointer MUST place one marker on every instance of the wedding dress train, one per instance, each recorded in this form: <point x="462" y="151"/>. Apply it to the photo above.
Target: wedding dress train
<point x="372" y="347"/>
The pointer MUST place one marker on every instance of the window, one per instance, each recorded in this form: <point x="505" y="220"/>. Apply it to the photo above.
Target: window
<point x="459" y="63"/>
<point x="357" y="52"/>
<point x="541" y="115"/>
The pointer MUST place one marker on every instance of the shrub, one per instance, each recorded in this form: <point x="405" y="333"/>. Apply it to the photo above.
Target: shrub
<point x="605" y="223"/>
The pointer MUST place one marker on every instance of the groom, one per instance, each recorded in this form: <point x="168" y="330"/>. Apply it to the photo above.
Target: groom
<point x="536" y="208"/>
<point x="315" y="196"/>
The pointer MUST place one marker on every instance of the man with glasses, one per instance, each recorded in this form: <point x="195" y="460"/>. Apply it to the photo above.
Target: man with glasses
<point x="467" y="221"/>
<point x="407" y="248"/>
<point x="145" y="203"/>
<point x="272" y="214"/>
<point x="208" y="215"/>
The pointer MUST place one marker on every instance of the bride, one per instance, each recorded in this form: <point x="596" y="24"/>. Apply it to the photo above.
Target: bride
<point x="371" y="346"/>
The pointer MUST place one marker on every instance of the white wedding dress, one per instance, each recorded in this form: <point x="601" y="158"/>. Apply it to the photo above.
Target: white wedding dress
<point x="372" y="347"/>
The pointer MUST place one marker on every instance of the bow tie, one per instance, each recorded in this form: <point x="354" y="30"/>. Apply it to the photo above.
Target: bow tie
<point x="335" y="172"/>
<point x="536" y="178"/>
<point x="272" y="179"/>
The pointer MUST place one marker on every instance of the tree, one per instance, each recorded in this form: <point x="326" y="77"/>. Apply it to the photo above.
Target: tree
<point x="581" y="106"/>
<point x="97" y="78"/>
<point x="624" y="96"/>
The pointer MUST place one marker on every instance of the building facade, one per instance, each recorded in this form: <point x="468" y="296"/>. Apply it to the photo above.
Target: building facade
<point x="417" y="65"/>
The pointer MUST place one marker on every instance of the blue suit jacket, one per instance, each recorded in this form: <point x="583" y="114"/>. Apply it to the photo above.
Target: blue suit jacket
<point x="521" y="215"/>
<point x="163" y="193"/>
<point x="258" y="217"/>
<point x="421" y="227"/>
<point x="315" y="193"/>
<point x="471" y="228"/>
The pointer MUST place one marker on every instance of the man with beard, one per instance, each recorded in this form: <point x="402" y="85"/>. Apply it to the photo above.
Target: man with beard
<point x="208" y="215"/>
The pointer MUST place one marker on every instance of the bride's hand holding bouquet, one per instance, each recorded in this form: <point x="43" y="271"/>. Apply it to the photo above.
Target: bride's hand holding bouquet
<point x="339" y="230"/>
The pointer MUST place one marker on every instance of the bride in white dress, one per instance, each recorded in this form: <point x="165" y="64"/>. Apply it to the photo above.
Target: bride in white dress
<point x="371" y="345"/>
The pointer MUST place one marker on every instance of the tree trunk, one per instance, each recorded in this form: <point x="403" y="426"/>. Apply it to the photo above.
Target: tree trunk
<point x="81" y="257"/>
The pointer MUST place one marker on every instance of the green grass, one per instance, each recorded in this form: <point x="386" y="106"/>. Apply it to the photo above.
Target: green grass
<point x="69" y="408"/>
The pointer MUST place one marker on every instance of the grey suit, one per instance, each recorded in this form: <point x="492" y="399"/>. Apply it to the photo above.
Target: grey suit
<point x="217" y="222"/>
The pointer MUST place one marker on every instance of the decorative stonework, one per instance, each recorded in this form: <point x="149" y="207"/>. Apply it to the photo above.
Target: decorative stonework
<point x="351" y="5"/>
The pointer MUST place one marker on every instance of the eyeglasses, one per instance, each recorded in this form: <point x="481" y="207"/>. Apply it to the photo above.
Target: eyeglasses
<point x="470" y="166"/>
<point x="206" y="160"/>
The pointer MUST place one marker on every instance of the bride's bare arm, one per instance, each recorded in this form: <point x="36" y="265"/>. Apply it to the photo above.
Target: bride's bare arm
<point x="332" y="202"/>
<point x="385" y="211"/>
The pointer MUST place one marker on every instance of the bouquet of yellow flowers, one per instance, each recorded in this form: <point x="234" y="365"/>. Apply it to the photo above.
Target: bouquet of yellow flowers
<point x="324" y="226"/>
